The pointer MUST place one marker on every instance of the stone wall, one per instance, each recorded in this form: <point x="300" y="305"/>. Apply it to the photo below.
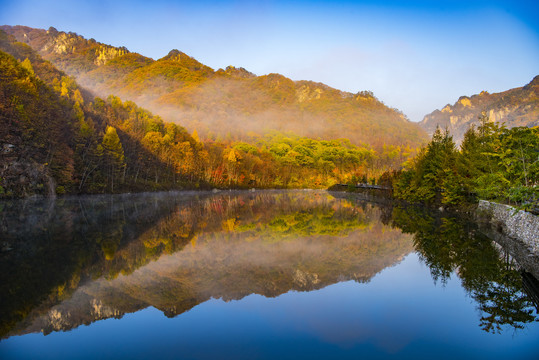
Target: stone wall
<point x="520" y="225"/>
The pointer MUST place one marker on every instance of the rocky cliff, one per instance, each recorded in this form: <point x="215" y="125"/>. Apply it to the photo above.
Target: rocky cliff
<point x="515" y="107"/>
<point x="71" y="52"/>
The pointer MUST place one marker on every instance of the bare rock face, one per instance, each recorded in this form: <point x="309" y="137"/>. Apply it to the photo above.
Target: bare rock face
<point x="107" y="53"/>
<point x="520" y="225"/>
<point x="515" y="107"/>
<point x="53" y="45"/>
<point x="62" y="43"/>
<point x="306" y="93"/>
<point x="21" y="175"/>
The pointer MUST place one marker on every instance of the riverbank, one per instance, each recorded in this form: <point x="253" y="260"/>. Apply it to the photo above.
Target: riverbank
<point x="516" y="231"/>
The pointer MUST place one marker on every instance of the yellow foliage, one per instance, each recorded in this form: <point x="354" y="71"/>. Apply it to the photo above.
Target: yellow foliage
<point x="195" y="136"/>
<point x="465" y="102"/>
<point x="154" y="242"/>
<point x="229" y="224"/>
<point x="233" y="156"/>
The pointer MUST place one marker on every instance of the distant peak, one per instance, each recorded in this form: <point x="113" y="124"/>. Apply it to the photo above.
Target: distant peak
<point x="532" y="85"/>
<point x="185" y="60"/>
<point x="176" y="55"/>
<point x="239" y="72"/>
<point x="174" y="52"/>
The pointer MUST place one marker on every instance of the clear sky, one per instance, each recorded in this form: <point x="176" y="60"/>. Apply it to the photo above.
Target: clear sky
<point x="414" y="55"/>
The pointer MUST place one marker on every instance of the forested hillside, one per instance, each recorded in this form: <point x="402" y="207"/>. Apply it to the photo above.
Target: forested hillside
<point x="230" y="104"/>
<point x="57" y="138"/>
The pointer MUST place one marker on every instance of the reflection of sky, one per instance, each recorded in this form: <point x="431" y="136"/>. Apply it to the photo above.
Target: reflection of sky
<point x="399" y="313"/>
<point x="415" y="55"/>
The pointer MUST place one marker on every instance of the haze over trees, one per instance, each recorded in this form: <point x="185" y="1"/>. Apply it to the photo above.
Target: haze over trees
<point x="230" y="103"/>
<point x="59" y="138"/>
<point x="247" y="130"/>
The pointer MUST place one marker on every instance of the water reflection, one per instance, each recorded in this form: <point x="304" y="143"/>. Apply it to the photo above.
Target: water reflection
<point x="77" y="260"/>
<point x="450" y="244"/>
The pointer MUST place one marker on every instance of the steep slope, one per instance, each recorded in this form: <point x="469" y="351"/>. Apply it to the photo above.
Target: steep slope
<point x="35" y="132"/>
<point x="232" y="103"/>
<point x="58" y="138"/>
<point x="515" y="107"/>
<point x="55" y="137"/>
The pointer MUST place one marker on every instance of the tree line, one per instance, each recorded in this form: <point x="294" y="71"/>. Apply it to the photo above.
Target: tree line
<point x="493" y="162"/>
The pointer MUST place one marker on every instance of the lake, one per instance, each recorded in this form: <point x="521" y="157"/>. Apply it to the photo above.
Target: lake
<point x="255" y="275"/>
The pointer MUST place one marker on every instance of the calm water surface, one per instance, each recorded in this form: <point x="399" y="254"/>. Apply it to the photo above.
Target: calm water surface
<point x="254" y="275"/>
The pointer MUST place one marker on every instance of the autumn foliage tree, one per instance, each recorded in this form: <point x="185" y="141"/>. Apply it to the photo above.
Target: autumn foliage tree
<point x="113" y="157"/>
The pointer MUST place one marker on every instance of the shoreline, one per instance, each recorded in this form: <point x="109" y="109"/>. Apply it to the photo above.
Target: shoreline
<point x="516" y="231"/>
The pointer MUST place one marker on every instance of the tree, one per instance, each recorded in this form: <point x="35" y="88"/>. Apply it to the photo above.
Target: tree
<point x="28" y="66"/>
<point x="114" y="158"/>
<point x="195" y="136"/>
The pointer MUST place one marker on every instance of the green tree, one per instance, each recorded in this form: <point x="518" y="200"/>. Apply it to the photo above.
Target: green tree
<point x="433" y="176"/>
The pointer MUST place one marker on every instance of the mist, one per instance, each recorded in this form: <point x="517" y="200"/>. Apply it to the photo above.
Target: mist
<point x="232" y="108"/>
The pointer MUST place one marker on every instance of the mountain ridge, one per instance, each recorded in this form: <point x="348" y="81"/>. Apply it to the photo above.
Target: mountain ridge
<point x="514" y="107"/>
<point x="230" y="102"/>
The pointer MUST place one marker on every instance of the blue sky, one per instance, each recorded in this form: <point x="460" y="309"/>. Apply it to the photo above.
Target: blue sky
<point x="416" y="56"/>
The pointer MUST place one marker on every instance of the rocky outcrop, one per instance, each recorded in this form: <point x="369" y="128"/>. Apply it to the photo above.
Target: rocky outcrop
<point x="62" y="43"/>
<point x="515" y="107"/>
<point x="306" y="93"/>
<point x="20" y="174"/>
<point x="105" y="53"/>
<point x="53" y="45"/>
<point x="237" y="72"/>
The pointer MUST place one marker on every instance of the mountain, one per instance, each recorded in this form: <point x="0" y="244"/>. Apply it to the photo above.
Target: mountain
<point x="515" y="107"/>
<point x="55" y="137"/>
<point x="58" y="138"/>
<point x="231" y="103"/>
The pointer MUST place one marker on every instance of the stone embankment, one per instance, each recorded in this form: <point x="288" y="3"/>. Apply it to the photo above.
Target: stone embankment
<point x="519" y="225"/>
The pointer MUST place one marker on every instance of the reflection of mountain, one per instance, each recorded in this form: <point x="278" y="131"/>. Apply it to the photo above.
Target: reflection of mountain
<point x="78" y="260"/>
<point x="237" y="244"/>
<point x="50" y="247"/>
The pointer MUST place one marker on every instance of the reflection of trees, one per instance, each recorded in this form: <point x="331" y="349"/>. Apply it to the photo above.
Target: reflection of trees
<point x="56" y="245"/>
<point x="67" y="245"/>
<point x="107" y="236"/>
<point x="502" y="302"/>
<point x="448" y="244"/>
